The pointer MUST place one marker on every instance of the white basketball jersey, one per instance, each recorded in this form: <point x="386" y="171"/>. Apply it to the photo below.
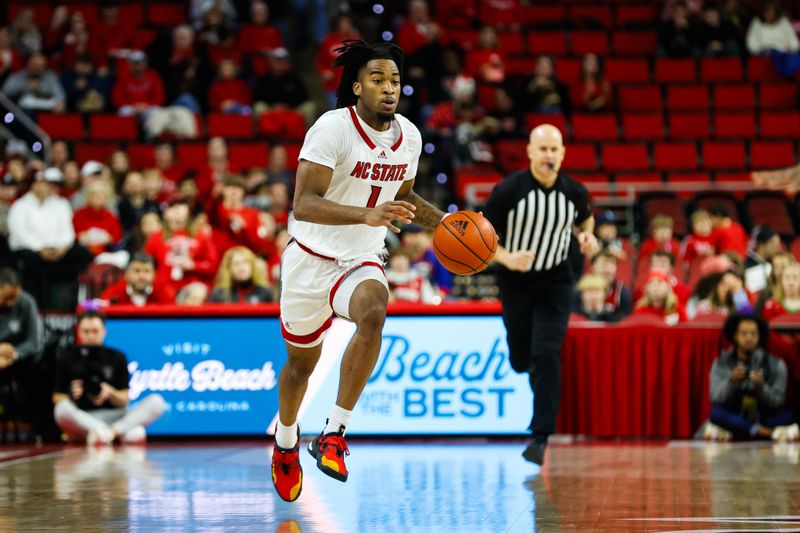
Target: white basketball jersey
<point x="369" y="167"/>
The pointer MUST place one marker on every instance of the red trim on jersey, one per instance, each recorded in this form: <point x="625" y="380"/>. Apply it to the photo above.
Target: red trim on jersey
<point x="306" y="339"/>
<point x="342" y="278"/>
<point x="308" y="250"/>
<point x="364" y="135"/>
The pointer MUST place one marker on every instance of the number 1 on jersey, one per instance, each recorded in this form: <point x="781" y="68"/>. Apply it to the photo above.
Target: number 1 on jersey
<point x="373" y="197"/>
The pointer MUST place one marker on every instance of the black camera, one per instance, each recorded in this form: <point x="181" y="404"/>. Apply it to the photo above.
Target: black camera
<point x="90" y="376"/>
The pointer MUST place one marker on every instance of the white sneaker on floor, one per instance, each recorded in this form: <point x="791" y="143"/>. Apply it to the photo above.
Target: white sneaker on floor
<point x="135" y="435"/>
<point x="100" y="437"/>
<point x="789" y="433"/>
<point x="779" y="434"/>
<point x="716" y="433"/>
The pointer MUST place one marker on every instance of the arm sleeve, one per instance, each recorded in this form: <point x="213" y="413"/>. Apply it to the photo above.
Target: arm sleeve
<point x="325" y="142"/>
<point x="66" y="236"/>
<point x="15" y="228"/>
<point x="753" y="41"/>
<point x="720" y="383"/>
<point x="584" y="210"/>
<point x="773" y="393"/>
<point x="122" y="377"/>
<point x="32" y="344"/>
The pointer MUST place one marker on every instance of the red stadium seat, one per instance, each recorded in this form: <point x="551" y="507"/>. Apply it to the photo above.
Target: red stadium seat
<point x="512" y="154"/>
<point x="285" y="124"/>
<point x="648" y="127"/>
<point x="770" y="208"/>
<point x="164" y="14"/>
<point x="675" y="156"/>
<point x="618" y="157"/>
<point x="580" y="157"/>
<point x="511" y="42"/>
<point x="771" y="154"/>
<point x="548" y="43"/>
<point x="519" y="65"/>
<point x="94" y="151"/>
<point x="466" y="39"/>
<point x="594" y="127"/>
<point x="568" y="70"/>
<point x="720" y="156"/>
<point x="778" y="96"/>
<point x="544" y="15"/>
<point x="66" y="127"/>
<point x="536" y="119"/>
<point x="780" y="124"/>
<point x="589" y="42"/>
<point x="620" y="70"/>
<point x="732" y="177"/>
<point x="739" y="96"/>
<point x="292" y="153"/>
<point x="761" y="69"/>
<point x="636" y="15"/>
<point x="639" y="98"/>
<point x="230" y="126"/>
<point x="455" y="12"/>
<point x="113" y="128"/>
<point x="689" y="177"/>
<point x="688" y="97"/>
<point x="500" y="13"/>
<point x="634" y="43"/>
<point x="249" y="155"/>
<point x="672" y="206"/>
<point x="721" y="69"/>
<point x="141" y="156"/>
<point x="142" y="38"/>
<point x="688" y="125"/>
<point x="734" y="125"/>
<point x="591" y="16"/>
<point x="192" y="155"/>
<point x="669" y="70"/>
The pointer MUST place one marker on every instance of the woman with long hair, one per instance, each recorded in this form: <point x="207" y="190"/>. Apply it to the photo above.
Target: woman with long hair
<point x="241" y="279"/>
<point x="786" y="294"/>
<point x="659" y="299"/>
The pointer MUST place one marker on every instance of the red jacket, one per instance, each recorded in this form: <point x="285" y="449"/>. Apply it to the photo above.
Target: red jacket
<point x="117" y="294"/>
<point x="145" y="89"/>
<point x="650" y="245"/>
<point x="93" y="221"/>
<point x="227" y="235"/>
<point x="199" y="248"/>
<point x="325" y="58"/>
<point x="730" y="239"/>
<point x="650" y="310"/>
<point x="256" y="38"/>
<point x="223" y="90"/>
<point x="695" y="246"/>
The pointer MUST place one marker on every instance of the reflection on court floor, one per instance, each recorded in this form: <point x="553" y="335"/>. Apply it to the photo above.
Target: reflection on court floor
<point x="422" y="487"/>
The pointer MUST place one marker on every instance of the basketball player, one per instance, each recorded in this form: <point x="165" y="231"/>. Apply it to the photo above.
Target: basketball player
<point x="534" y="212"/>
<point x="355" y="178"/>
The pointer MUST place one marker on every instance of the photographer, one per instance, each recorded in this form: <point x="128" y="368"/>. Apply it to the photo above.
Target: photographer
<point x="91" y="391"/>
<point x="748" y="385"/>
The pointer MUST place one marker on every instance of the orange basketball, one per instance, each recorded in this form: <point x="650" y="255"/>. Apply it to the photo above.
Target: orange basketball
<point x="465" y="242"/>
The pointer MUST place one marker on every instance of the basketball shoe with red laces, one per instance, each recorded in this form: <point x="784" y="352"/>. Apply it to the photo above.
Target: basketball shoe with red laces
<point x="330" y="449"/>
<point x="287" y="474"/>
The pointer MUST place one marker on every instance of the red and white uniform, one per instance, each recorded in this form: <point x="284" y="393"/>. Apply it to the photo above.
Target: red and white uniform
<point x="323" y="264"/>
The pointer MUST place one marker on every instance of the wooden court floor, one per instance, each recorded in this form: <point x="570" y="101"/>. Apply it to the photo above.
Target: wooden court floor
<point x="440" y="486"/>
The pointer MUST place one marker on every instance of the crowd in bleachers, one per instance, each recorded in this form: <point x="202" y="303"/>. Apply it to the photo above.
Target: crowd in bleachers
<point x="176" y="129"/>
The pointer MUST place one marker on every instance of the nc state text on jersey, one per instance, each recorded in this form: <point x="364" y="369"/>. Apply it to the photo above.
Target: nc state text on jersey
<point x="379" y="172"/>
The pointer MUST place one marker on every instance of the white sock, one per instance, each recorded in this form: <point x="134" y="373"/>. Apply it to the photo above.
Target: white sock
<point x="338" y="420"/>
<point x="286" y="436"/>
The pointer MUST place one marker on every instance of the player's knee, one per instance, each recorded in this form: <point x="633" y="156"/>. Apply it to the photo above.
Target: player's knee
<point x="371" y="318"/>
<point x="298" y="369"/>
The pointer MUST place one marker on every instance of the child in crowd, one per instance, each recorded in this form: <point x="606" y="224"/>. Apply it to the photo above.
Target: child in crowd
<point x="698" y="244"/>
<point x="660" y="238"/>
<point x="660" y="300"/>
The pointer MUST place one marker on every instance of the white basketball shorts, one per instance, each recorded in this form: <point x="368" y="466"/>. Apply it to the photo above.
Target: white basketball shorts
<point x="315" y="287"/>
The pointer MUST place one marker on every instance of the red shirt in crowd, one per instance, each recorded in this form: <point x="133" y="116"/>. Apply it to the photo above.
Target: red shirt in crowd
<point x="325" y="57"/>
<point x="227" y="231"/>
<point x="731" y="238"/>
<point x="695" y="246"/>
<point x="650" y="245"/>
<point x="96" y="223"/>
<point x="224" y="90"/>
<point x="199" y="248"/>
<point x="144" y="89"/>
<point x="117" y="294"/>
<point x="680" y="312"/>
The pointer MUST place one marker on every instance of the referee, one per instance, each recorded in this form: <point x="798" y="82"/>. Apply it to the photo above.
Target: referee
<point x="534" y="212"/>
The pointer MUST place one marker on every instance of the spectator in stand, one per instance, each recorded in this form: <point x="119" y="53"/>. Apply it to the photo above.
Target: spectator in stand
<point x="119" y="164"/>
<point x="717" y="36"/>
<point x="407" y="284"/>
<point x="93" y="171"/>
<point x="607" y="234"/>
<point x="699" y="243"/>
<point x="230" y="94"/>
<point x="133" y="202"/>
<point x="241" y="279"/>
<point x="209" y="179"/>
<point x="660" y="238"/>
<point x="421" y="39"/>
<point x="36" y="88"/>
<point x="274" y="261"/>
<point x="419" y="242"/>
<point x="113" y="35"/>
<point x="342" y="28"/>
<point x="727" y="295"/>
<point x="771" y="31"/>
<point x="508" y="119"/>
<point x="664" y="262"/>
<point x="97" y="228"/>
<point x="593" y="93"/>
<point x="187" y="192"/>
<point x="199" y="9"/>
<point x="87" y="92"/>
<point x="660" y="300"/>
<point x="258" y="38"/>
<point x="10" y="58"/>
<point x="282" y="88"/>
<point x="278" y="171"/>
<point x="748" y="387"/>
<point x="590" y="300"/>
<point x="72" y="180"/>
<point x="8" y="193"/>
<point x="545" y="93"/>
<point x="138" y="286"/>
<point x="218" y="35"/>
<point x="186" y="69"/>
<point x="193" y="294"/>
<point x="235" y="224"/>
<point x="487" y="62"/>
<point x="694" y="7"/>
<point x="728" y="236"/>
<point x="91" y="391"/>
<point x="279" y="202"/>
<point x="42" y="237"/>
<point x="164" y="155"/>
<point x="139" y="91"/>
<point x="777" y="264"/>
<point x="764" y="245"/>
<point x="182" y="255"/>
<point x="59" y="154"/>
<point x="78" y="42"/>
<point x="618" y="301"/>
<point x="156" y="188"/>
<point x="679" y="36"/>
<point x="138" y="237"/>
<point x="786" y="294"/>
<point x="25" y="34"/>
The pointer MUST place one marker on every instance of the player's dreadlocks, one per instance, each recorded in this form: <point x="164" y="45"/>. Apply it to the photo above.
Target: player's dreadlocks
<point x="353" y="56"/>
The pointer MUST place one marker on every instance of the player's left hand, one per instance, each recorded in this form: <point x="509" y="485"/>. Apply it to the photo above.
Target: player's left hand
<point x="387" y="212"/>
<point x="588" y="243"/>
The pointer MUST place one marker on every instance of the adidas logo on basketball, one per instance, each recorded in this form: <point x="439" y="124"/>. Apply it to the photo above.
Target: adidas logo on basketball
<point x="460" y="226"/>
<point x="382" y="155"/>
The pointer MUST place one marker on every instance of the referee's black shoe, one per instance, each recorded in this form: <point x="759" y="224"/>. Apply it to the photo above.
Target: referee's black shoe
<point x="534" y="453"/>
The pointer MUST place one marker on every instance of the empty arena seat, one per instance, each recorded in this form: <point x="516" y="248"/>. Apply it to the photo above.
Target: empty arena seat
<point x="192" y="155"/>
<point x="770" y="208"/>
<point x="737" y="96"/>
<point x="618" y="157"/>
<point x="512" y="154"/>
<point x="639" y="98"/>
<point x="141" y="155"/>
<point x="94" y="151"/>
<point x="544" y="16"/>
<point x="580" y="157"/>
<point x="636" y="15"/>
<point x="634" y="43"/>
<point x="166" y="14"/>
<point x="594" y="127"/>
<point x="536" y="119"/>
<point x="780" y="124"/>
<point x="687" y="97"/>
<point x="511" y="42"/>
<point x="548" y="43"/>
<point x="641" y="127"/>
<point x="723" y="155"/>
<point x="714" y="69"/>
<point x="66" y="126"/>
<point x="249" y="155"/>
<point x="282" y="123"/>
<point x="674" y="70"/>
<point x="771" y="154"/>
<point x="591" y="16"/>
<point x="734" y="125"/>
<point x="688" y="125"/>
<point x="620" y="70"/>
<point x="761" y="69"/>
<point x="230" y="126"/>
<point x="589" y="42"/>
<point x="778" y="96"/>
<point x="113" y="127"/>
<point x="675" y="156"/>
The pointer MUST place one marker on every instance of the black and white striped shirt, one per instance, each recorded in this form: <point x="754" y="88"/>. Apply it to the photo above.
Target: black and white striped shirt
<point x="526" y="216"/>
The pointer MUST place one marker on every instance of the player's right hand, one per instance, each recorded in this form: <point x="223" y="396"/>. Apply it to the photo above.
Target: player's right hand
<point x="387" y="212"/>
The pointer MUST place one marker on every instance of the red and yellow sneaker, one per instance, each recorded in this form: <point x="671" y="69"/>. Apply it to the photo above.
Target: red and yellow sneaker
<point x="329" y="450"/>
<point x="287" y="474"/>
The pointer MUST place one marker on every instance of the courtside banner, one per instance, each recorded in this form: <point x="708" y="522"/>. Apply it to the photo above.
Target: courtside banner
<point x="434" y="375"/>
<point x="219" y="376"/>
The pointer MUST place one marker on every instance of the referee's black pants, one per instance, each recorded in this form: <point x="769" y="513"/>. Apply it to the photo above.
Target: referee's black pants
<point x="535" y="314"/>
